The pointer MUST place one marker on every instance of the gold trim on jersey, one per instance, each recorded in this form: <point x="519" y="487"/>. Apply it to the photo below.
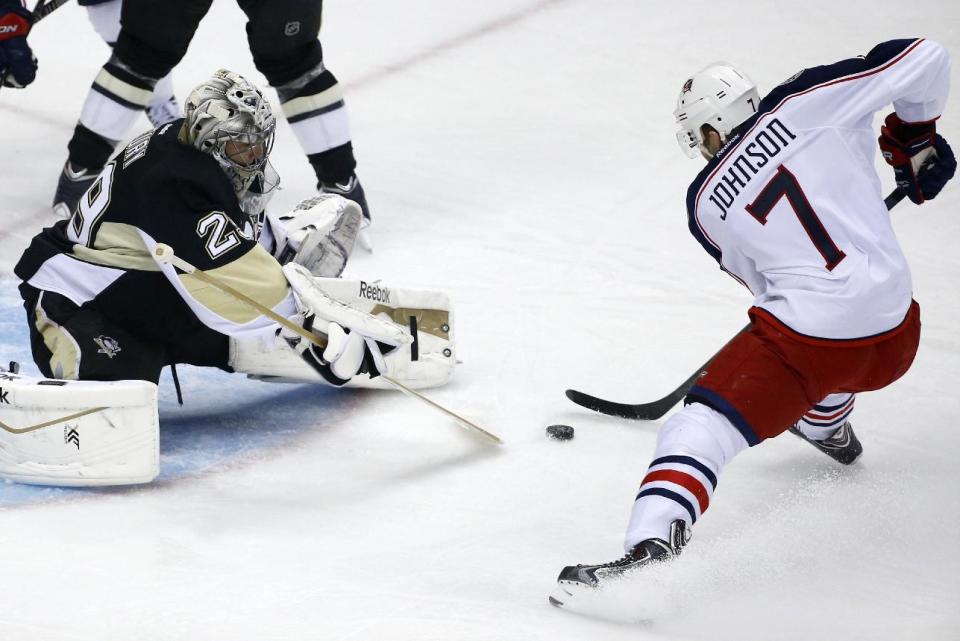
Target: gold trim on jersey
<point x="118" y="245"/>
<point x="256" y="274"/>
<point x="64" y="351"/>
<point x="121" y="89"/>
<point x="305" y="104"/>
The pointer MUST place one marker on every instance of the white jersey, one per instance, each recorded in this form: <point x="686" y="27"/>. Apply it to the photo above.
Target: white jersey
<point x="791" y="206"/>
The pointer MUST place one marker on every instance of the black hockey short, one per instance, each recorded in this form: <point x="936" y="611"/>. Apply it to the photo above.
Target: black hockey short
<point x="282" y="34"/>
<point x="81" y="343"/>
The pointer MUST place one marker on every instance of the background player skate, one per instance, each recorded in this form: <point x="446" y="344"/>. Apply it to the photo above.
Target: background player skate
<point x="100" y="308"/>
<point x="789" y="204"/>
<point x="153" y="39"/>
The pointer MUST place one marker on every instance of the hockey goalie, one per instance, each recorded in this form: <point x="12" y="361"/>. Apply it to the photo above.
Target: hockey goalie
<point x="105" y="317"/>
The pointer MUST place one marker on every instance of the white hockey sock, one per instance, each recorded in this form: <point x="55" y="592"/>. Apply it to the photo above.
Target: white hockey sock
<point x="163" y="91"/>
<point x="113" y="105"/>
<point x="693" y="446"/>
<point x="827" y="416"/>
<point x="316" y="112"/>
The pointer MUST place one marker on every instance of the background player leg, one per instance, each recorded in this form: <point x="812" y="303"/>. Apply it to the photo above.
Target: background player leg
<point x="104" y="15"/>
<point x="283" y="41"/>
<point x="154" y="37"/>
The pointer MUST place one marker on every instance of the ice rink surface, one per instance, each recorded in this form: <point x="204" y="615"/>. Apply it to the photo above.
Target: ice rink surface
<point x="520" y="155"/>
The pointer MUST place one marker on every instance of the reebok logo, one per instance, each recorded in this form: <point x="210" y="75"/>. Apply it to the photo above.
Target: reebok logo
<point x="374" y="292"/>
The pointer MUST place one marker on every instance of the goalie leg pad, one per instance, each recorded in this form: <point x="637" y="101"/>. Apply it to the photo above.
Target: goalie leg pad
<point x="78" y="433"/>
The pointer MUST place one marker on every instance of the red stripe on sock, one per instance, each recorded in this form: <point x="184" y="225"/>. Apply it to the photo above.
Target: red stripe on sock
<point x="690" y="483"/>
<point x="820" y="417"/>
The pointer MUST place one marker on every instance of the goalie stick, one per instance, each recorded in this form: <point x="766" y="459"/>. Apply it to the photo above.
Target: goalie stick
<point x="656" y="409"/>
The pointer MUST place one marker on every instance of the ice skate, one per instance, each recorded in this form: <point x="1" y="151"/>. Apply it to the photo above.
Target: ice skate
<point x="575" y="579"/>
<point x="74" y="182"/>
<point x="353" y="190"/>
<point x="842" y="446"/>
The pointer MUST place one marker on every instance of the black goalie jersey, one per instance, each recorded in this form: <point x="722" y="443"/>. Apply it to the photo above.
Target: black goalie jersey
<point x="158" y="190"/>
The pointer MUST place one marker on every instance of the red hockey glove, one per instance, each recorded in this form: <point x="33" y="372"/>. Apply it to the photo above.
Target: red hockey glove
<point x="922" y="161"/>
<point x="18" y="67"/>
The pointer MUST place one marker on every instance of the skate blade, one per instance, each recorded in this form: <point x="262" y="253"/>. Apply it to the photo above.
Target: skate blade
<point x="567" y="594"/>
<point x="618" y="600"/>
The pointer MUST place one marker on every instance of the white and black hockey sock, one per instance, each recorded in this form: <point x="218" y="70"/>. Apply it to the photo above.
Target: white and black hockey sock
<point x="313" y="105"/>
<point x="116" y="98"/>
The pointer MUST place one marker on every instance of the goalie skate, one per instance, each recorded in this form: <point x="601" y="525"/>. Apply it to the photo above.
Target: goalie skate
<point x="577" y="580"/>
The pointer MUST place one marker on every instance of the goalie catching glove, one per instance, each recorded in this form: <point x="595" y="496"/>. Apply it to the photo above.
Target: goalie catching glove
<point x="353" y="342"/>
<point x="319" y="234"/>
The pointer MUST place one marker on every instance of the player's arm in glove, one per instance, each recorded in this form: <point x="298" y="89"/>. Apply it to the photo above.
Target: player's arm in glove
<point x="356" y="342"/>
<point x="18" y="67"/>
<point x="922" y="160"/>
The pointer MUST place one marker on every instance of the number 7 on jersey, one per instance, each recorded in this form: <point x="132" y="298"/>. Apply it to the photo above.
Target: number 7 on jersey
<point x="783" y="184"/>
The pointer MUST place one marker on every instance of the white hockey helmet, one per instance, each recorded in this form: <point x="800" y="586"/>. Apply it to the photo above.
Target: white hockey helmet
<point x="719" y="96"/>
<point x="230" y="119"/>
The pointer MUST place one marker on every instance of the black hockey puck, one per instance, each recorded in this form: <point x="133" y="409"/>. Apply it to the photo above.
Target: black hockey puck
<point x="560" y="432"/>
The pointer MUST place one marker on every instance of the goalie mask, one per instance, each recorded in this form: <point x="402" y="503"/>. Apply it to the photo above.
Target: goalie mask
<point x="719" y="96"/>
<point x="228" y="118"/>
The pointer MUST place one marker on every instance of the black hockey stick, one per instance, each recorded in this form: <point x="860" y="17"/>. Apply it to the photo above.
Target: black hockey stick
<point x="654" y="410"/>
<point x="44" y="8"/>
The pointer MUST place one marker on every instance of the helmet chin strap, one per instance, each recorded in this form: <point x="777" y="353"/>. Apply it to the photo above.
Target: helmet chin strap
<point x="705" y="152"/>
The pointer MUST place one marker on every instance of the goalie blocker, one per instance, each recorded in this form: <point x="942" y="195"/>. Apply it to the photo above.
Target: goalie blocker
<point x="423" y="320"/>
<point x="78" y="433"/>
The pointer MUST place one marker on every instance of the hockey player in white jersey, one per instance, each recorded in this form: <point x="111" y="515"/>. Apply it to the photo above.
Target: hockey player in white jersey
<point x="790" y="205"/>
